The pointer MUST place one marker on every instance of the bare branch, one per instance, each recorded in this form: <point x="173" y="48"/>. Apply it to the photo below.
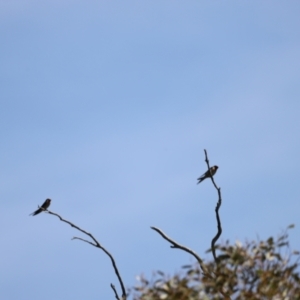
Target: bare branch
<point x="214" y="240"/>
<point x="97" y="245"/>
<point x="78" y="238"/>
<point x="115" y="291"/>
<point x="175" y="245"/>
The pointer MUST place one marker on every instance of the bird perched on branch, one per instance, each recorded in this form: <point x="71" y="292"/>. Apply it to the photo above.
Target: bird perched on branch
<point x="211" y="171"/>
<point x="44" y="206"/>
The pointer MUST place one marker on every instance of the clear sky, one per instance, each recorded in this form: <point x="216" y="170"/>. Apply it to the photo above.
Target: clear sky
<point x="106" y="107"/>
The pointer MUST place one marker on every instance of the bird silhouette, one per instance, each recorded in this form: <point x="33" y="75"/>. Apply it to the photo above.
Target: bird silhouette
<point x="211" y="171"/>
<point x="44" y="206"/>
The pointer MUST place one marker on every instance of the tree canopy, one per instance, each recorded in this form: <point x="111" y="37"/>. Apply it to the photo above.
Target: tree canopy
<point x="253" y="270"/>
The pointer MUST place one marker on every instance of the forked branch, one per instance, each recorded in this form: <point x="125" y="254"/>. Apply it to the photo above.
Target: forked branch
<point x="96" y="244"/>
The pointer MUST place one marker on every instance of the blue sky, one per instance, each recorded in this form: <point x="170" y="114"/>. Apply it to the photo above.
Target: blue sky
<point x="106" y="108"/>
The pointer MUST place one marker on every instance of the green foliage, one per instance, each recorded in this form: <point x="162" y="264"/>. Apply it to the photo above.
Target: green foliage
<point x="256" y="270"/>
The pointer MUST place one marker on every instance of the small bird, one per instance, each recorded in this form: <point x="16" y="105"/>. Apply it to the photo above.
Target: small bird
<point x="212" y="170"/>
<point x="45" y="205"/>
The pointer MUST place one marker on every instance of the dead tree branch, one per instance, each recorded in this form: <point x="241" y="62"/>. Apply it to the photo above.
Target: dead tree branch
<point x="214" y="240"/>
<point x="97" y="245"/>
<point x="175" y="245"/>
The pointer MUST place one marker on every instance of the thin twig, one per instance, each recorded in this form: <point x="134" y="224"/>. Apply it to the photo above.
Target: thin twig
<point x="214" y="240"/>
<point x="78" y="238"/>
<point x="115" y="291"/>
<point x="97" y="245"/>
<point x="175" y="245"/>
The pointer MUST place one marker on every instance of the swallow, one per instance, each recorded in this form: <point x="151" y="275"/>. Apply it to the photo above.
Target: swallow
<point x="44" y="206"/>
<point x="212" y="170"/>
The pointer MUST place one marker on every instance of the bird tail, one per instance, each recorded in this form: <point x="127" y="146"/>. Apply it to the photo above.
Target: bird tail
<point x="35" y="212"/>
<point x="200" y="179"/>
